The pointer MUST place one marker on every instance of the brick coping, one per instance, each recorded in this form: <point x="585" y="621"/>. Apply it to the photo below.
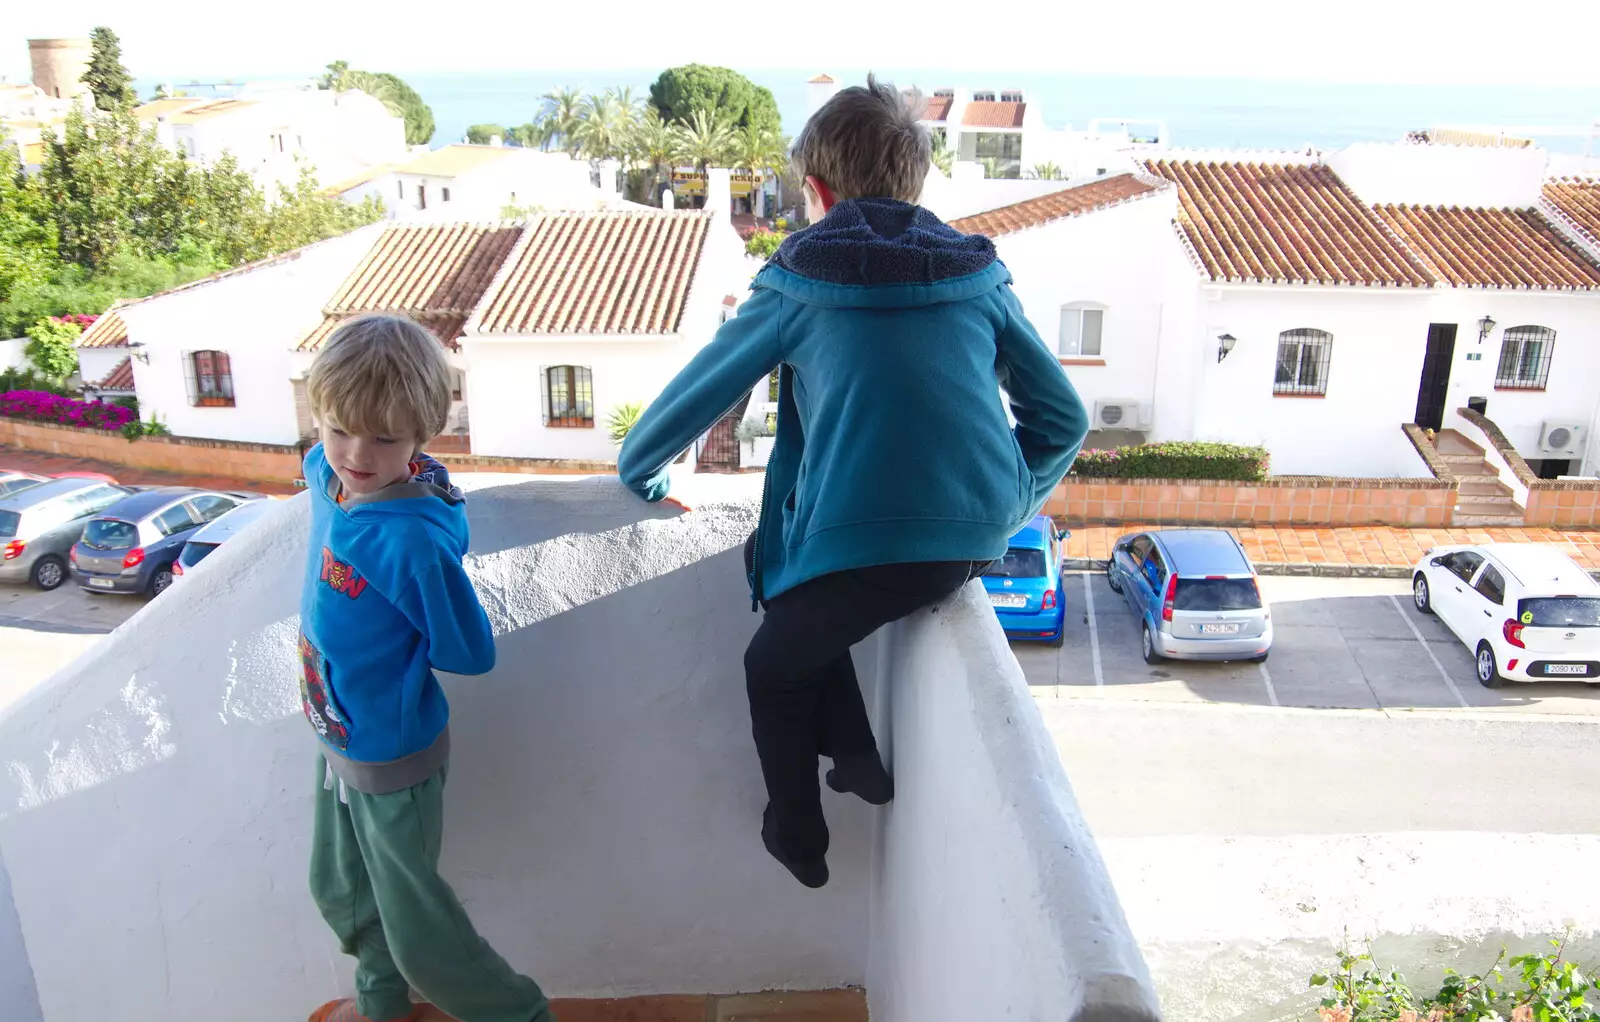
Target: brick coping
<point x="1519" y="467"/>
<point x="1275" y="482"/>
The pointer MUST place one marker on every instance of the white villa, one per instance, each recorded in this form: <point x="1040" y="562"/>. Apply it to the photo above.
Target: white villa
<point x="273" y="133"/>
<point x="477" y="182"/>
<point x="1315" y="303"/>
<point x="551" y="323"/>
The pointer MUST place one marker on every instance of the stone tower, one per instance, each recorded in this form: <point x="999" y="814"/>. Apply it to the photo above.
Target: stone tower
<point x="58" y="66"/>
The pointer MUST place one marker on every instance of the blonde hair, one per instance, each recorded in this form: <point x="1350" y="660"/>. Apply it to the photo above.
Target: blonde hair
<point x="382" y="376"/>
<point x="866" y="142"/>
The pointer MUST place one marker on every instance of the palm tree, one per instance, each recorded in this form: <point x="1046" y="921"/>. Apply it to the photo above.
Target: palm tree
<point x="655" y="144"/>
<point x="705" y="140"/>
<point x="760" y="151"/>
<point x="943" y="156"/>
<point x="601" y="127"/>
<point x="628" y="99"/>
<point x="562" y="113"/>
<point x="531" y="135"/>
<point x="1046" y="172"/>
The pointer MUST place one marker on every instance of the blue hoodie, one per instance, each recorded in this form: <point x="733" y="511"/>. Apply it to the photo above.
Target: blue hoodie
<point x="385" y="603"/>
<point x="896" y="334"/>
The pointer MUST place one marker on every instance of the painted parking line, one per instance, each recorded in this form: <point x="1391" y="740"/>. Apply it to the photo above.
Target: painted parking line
<point x="1094" y="630"/>
<point x="1451" y="685"/>
<point x="1266" y="679"/>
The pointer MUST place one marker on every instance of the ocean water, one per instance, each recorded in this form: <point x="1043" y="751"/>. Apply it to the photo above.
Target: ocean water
<point x="1200" y="112"/>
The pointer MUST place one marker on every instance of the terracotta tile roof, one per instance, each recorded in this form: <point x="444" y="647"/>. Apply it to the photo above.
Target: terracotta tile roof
<point x="357" y="180"/>
<point x="993" y="115"/>
<point x="1068" y="202"/>
<point x="1578" y="201"/>
<point x="108" y="331"/>
<point x="598" y="273"/>
<point x="1514" y="248"/>
<point x="1462" y="136"/>
<point x="938" y="108"/>
<point x="822" y="79"/>
<point x="1285" y="223"/>
<point x="119" y="379"/>
<point x="166" y="107"/>
<point x="435" y="274"/>
<point x="206" y="111"/>
<point x="455" y="160"/>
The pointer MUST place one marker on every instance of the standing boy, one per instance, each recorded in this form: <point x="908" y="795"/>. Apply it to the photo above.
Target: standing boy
<point x="896" y="476"/>
<point x="385" y="603"/>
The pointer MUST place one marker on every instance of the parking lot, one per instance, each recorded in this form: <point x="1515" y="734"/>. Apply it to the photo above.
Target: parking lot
<point x="41" y="632"/>
<point x="1342" y="643"/>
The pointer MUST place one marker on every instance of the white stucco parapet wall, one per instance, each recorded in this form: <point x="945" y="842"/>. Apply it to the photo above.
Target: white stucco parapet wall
<point x="605" y="795"/>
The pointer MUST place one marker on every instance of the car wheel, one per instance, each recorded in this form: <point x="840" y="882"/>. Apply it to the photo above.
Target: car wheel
<point x="1111" y="579"/>
<point x="160" y="580"/>
<point x="1147" y="646"/>
<point x="49" y="573"/>
<point x="1488" y="670"/>
<point x="1420" y="594"/>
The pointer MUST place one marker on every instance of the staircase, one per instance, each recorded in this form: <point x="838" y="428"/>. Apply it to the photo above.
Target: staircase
<point x="1482" y="498"/>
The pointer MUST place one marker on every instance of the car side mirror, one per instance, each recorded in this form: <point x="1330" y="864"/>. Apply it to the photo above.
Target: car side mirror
<point x="1437" y="562"/>
<point x="1064" y="534"/>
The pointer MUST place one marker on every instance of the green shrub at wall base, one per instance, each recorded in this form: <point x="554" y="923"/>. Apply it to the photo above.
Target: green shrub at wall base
<point x="1177" y="459"/>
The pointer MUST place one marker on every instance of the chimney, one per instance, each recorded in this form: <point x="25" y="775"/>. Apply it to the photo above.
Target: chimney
<point x="719" y="194"/>
<point x="164" y="134"/>
<point x="818" y="91"/>
<point x="608" y="178"/>
<point x="666" y="198"/>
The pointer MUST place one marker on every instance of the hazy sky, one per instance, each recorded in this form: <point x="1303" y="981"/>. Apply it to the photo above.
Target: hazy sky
<point x="1532" y="42"/>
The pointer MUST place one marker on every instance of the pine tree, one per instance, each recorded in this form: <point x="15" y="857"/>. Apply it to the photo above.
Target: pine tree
<point x="106" y="78"/>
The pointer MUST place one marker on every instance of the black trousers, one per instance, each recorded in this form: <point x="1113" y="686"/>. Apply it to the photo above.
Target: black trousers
<point x="805" y="700"/>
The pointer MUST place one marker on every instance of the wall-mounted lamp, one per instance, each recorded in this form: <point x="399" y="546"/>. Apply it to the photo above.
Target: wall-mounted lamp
<point x="1225" y="343"/>
<point x="136" y="350"/>
<point x="1485" y="328"/>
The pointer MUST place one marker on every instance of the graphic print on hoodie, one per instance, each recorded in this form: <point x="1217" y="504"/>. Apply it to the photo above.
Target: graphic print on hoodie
<point x="385" y="603"/>
<point x="896" y="334"/>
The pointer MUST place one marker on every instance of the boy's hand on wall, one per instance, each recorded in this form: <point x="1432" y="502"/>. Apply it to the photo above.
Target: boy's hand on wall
<point x="675" y="502"/>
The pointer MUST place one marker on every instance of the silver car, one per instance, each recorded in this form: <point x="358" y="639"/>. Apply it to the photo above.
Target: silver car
<point x="1196" y="595"/>
<point x="40" y="524"/>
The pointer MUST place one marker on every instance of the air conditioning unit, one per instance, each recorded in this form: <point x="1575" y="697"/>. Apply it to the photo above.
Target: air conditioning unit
<point x="1121" y="414"/>
<point x="1561" y="439"/>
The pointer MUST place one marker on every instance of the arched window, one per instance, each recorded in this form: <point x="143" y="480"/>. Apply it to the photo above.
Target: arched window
<point x="569" y="397"/>
<point x="1303" y="358"/>
<point x="1083" y="326"/>
<point x="1525" y="353"/>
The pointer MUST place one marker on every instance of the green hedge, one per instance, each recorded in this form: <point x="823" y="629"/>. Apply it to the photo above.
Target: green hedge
<point x="1177" y="459"/>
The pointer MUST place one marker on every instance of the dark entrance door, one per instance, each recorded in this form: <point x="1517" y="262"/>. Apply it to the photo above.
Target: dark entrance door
<point x="1435" y="375"/>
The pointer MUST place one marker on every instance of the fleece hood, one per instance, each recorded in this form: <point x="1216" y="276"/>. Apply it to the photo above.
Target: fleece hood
<point x="882" y="253"/>
<point x="429" y="493"/>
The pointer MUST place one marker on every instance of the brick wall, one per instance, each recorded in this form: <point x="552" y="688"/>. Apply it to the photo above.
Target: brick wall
<point x="1283" y="500"/>
<point x="1551" y="502"/>
<point x="189" y="455"/>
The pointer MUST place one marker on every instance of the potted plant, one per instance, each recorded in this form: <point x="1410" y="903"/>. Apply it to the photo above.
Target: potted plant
<point x="756" y="437"/>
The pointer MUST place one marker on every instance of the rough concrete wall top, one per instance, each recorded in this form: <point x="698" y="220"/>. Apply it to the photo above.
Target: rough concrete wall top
<point x="604" y="792"/>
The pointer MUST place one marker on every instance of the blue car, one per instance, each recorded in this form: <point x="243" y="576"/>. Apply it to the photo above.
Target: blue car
<point x="1195" y="594"/>
<point x="131" y="546"/>
<point x="1025" y="585"/>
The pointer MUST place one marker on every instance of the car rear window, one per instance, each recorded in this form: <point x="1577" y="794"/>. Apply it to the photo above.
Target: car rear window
<point x="110" y="534"/>
<point x="194" y="553"/>
<point x="1560" y="612"/>
<point x="9" y="521"/>
<point x="1217" y="594"/>
<point x="1019" y="562"/>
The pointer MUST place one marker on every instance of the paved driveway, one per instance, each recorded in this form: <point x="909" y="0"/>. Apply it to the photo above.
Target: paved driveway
<point x="1346" y="643"/>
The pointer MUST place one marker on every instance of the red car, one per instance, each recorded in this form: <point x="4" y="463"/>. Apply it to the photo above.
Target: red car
<point x="98" y="476"/>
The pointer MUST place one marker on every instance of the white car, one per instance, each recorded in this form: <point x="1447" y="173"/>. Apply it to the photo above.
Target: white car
<point x="1527" y="612"/>
<point x="203" y="542"/>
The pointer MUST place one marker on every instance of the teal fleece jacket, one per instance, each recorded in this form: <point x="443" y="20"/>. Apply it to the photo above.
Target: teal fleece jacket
<point x="896" y="335"/>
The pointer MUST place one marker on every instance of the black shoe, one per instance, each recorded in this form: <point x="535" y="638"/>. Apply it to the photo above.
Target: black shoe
<point x="811" y="872"/>
<point x="863" y="776"/>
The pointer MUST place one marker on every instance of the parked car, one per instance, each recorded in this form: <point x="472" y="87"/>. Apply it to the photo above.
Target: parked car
<point x="39" y="525"/>
<point x="1025" y="584"/>
<point x="1528" y="612"/>
<point x="1196" y="595"/>
<point x="131" y="546"/>
<point x="11" y="482"/>
<point x="205" y="540"/>
<point x="100" y="476"/>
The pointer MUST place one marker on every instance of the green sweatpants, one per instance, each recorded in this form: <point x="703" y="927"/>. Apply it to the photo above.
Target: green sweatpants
<point x="374" y="875"/>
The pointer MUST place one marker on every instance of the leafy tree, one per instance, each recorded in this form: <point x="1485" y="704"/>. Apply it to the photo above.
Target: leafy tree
<point x="706" y="140"/>
<point x="27" y="230"/>
<point x="560" y="118"/>
<point x="306" y="213"/>
<point x="401" y="99"/>
<point x="51" y="347"/>
<point x="481" y="134"/>
<point x="106" y="78"/>
<point x="728" y="95"/>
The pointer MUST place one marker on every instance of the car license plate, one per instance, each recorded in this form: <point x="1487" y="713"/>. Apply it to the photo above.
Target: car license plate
<point x="1008" y="600"/>
<point x="1566" y="669"/>
<point x="1219" y="629"/>
<point x="102" y="583"/>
